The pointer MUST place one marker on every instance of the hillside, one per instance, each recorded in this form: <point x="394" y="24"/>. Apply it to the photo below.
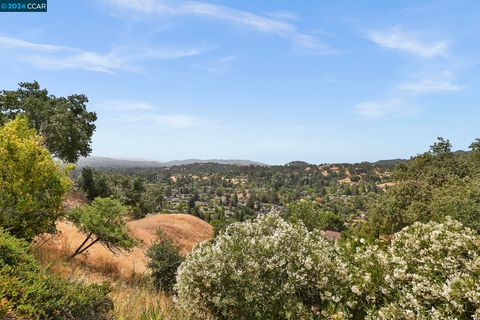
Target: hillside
<point x="186" y="230"/>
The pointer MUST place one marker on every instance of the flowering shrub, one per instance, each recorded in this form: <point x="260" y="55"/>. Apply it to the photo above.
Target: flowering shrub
<point x="433" y="272"/>
<point x="270" y="269"/>
<point x="429" y="271"/>
<point x="265" y="269"/>
<point x="367" y="265"/>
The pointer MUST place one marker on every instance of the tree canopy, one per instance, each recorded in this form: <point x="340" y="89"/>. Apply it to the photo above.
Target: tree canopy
<point x="64" y="122"/>
<point x="103" y="222"/>
<point x="164" y="258"/>
<point x="32" y="185"/>
<point x="312" y="217"/>
<point x="430" y="186"/>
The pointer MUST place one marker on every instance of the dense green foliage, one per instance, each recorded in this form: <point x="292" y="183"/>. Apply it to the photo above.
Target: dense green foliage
<point x="141" y="198"/>
<point x="430" y="186"/>
<point x="32" y="185"/>
<point x="102" y="221"/>
<point x="28" y="291"/>
<point x="64" y="122"/>
<point x="164" y="258"/>
<point x="312" y="217"/>
<point x="88" y="185"/>
<point x="223" y="194"/>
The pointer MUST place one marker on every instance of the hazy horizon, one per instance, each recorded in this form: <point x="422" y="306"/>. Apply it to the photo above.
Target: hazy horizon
<point x="230" y="159"/>
<point x="264" y="81"/>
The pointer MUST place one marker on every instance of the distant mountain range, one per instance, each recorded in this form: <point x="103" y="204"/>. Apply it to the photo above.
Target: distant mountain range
<point x="102" y="162"/>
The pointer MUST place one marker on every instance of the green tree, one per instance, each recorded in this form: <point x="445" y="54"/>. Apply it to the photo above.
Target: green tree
<point x="135" y="193"/>
<point x="151" y="199"/>
<point x="430" y="186"/>
<point x="102" y="187"/>
<point x="191" y="202"/>
<point x="251" y="201"/>
<point x="64" y="122"/>
<point x="88" y="183"/>
<point x="102" y="221"/>
<point x="460" y="200"/>
<point x="32" y="185"/>
<point x="312" y="217"/>
<point x="234" y="201"/>
<point x="164" y="258"/>
<point x="331" y="221"/>
<point x="441" y="147"/>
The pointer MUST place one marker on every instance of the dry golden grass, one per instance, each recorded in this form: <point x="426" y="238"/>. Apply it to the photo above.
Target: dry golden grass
<point x="74" y="199"/>
<point x="141" y="302"/>
<point x="346" y="181"/>
<point x="324" y="172"/>
<point x="55" y="257"/>
<point x="384" y="186"/>
<point x="133" y="298"/>
<point x="186" y="230"/>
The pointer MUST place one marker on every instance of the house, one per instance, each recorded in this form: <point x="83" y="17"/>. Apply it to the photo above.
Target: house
<point x="331" y="235"/>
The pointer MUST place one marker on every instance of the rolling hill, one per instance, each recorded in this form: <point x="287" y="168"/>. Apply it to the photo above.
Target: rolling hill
<point x="184" y="229"/>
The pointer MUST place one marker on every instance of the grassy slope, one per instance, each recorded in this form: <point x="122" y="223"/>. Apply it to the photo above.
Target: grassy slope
<point x="186" y="230"/>
<point x="131" y="294"/>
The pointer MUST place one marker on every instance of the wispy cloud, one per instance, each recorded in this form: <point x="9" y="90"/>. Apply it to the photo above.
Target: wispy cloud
<point x="284" y="15"/>
<point x="392" y="107"/>
<point x="55" y="57"/>
<point x="80" y="60"/>
<point x="146" y="113"/>
<point x="276" y="26"/>
<point x="176" y="120"/>
<point x="125" y="105"/>
<point x="151" y="118"/>
<point x="409" y="42"/>
<point x="441" y="82"/>
<point x="14" y="43"/>
<point x="401" y="101"/>
<point x="218" y="67"/>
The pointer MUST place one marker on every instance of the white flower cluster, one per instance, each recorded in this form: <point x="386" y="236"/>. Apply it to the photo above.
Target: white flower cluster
<point x="270" y="269"/>
<point x="429" y="271"/>
<point x="265" y="269"/>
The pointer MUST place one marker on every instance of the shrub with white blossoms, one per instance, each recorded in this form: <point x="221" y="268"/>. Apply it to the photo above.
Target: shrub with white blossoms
<point x="270" y="269"/>
<point x="264" y="269"/>
<point x="429" y="271"/>
<point x="367" y="266"/>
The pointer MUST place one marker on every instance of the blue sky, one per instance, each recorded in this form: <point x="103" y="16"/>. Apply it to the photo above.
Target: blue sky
<point x="272" y="81"/>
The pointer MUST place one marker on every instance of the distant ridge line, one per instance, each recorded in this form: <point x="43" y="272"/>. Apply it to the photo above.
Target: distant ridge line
<point x="105" y="162"/>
